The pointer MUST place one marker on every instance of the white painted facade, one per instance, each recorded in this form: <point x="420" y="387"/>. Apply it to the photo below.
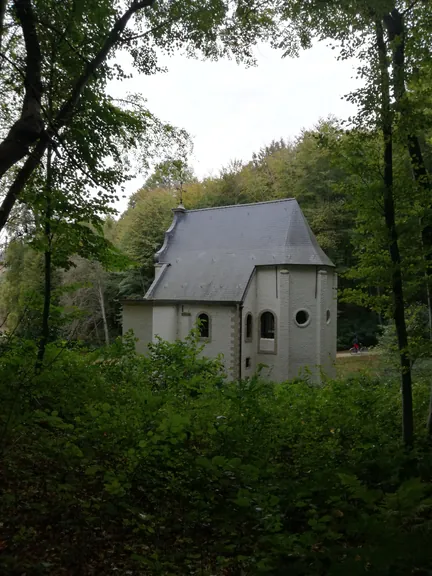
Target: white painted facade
<point x="285" y="290"/>
<point x="296" y="350"/>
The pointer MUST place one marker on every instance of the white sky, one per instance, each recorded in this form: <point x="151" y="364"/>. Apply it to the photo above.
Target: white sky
<point x="231" y="111"/>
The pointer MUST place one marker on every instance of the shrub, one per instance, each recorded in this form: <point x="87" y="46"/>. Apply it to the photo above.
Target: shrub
<point x="112" y="462"/>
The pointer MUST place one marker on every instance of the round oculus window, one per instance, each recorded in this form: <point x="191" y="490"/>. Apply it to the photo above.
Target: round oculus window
<point x="302" y="317"/>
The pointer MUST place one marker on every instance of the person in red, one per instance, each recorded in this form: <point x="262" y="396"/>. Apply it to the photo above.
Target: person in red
<point x="356" y="343"/>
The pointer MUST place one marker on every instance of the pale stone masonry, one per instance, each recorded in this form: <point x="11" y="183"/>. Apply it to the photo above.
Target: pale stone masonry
<point x="256" y="278"/>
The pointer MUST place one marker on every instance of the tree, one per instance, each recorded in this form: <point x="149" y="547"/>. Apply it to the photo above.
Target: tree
<point x="80" y="38"/>
<point x="366" y="29"/>
<point x="390" y="219"/>
<point x="169" y="175"/>
<point x="90" y="301"/>
<point x="140" y="233"/>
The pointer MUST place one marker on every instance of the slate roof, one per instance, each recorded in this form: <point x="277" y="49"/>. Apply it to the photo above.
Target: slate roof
<point x="210" y="254"/>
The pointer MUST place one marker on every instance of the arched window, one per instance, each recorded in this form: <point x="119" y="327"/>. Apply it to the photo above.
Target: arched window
<point x="204" y="325"/>
<point x="249" y="327"/>
<point x="267" y="325"/>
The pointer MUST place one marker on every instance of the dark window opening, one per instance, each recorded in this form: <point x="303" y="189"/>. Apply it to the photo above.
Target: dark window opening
<point x="204" y="325"/>
<point x="248" y="362"/>
<point x="328" y="317"/>
<point x="249" y="327"/>
<point x="302" y="317"/>
<point x="267" y="325"/>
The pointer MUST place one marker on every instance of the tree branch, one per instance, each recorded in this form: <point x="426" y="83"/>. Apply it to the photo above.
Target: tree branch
<point x="411" y="6"/>
<point x="22" y="178"/>
<point x="62" y="37"/>
<point x="113" y="37"/>
<point x="26" y="131"/>
<point x="146" y="33"/>
<point x="66" y="111"/>
<point x="20" y="71"/>
<point x="2" y="19"/>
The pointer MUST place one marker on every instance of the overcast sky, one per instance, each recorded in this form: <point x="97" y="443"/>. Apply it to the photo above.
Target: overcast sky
<point x="231" y="111"/>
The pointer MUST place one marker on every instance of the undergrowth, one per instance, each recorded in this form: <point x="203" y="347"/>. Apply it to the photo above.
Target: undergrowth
<point x="116" y="463"/>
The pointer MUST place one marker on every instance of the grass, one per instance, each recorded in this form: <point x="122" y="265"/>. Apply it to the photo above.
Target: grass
<point x="374" y="364"/>
<point x="347" y="365"/>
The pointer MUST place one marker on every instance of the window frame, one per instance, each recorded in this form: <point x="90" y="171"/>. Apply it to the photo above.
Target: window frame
<point x="248" y="336"/>
<point x="260" y="337"/>
<point x="204" y="338"/>
<point x="309" y="317"/>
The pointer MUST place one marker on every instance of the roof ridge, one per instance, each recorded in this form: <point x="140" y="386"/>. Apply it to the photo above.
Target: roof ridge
<point x="242" y="205"/>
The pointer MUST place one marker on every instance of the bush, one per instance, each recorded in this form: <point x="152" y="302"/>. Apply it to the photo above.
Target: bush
<point x="116" y="463"/>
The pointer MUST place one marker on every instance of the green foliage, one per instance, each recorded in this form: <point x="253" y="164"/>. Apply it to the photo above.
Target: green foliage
<point x="180" y="365"/>
<point x="168" y="175"/>
<point x="154" y="465"/>
<point x="420" y="345"/>
<point x="21" y="293"/>
<point x="140" y="233"/>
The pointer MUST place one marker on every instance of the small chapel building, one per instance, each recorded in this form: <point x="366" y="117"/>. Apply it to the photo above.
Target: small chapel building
<point x="256" y="278"/>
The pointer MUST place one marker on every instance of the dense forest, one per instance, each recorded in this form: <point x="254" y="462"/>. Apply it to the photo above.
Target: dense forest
<point x="113" y="462"/>
<point x="305" y="169"/>
<point x="319" y="169"/>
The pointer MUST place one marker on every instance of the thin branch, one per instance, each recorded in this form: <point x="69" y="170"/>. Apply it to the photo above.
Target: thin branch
<point x="411" y="6"/>
<point x="146" y="33"/>
<point x="11" y="37"/>
<point x="113" y="37"/>
<point x="20" y="71"/>
<point x="69" y="154"/>
<point x="62" y="38"/>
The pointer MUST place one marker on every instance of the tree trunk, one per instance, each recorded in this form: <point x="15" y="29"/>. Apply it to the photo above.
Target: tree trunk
<point x="27" y="129"/>
<point x="96" y="329"/>
<point x="2" y="19"/>
<point x="47" y="269"/>
<point x="390" y="220"/>
<point x="380" y="320"/>
<point x="396" y="30"/>
<point x="102" y="306"/>
<point x="429" y="420"/>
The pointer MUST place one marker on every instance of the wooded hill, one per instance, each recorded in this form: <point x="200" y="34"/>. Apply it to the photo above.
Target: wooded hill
<point x="332" y="172"/>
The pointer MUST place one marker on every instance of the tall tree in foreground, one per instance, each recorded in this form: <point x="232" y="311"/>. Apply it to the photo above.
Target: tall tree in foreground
<point x="386" y="117"/>
<point x="363" y="28"/>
